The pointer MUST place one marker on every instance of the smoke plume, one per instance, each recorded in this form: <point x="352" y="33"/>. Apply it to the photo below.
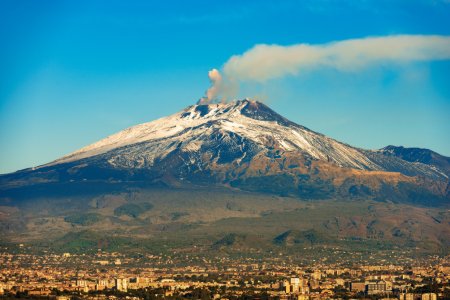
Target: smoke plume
<point x="264" y="62"/>
<point x="214" y="90"/>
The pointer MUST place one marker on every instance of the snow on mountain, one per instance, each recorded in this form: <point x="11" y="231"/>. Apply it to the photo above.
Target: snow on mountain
<point x="248" y="119"/>
<point x="234" y="131"/>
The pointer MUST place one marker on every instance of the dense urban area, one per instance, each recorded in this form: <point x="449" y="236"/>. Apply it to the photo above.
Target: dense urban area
<point x="112" y="275"/>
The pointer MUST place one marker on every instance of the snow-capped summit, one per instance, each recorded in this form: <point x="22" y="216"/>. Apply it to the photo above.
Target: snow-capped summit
<point x="234" y="131"/>
<point x="248" y="119"/>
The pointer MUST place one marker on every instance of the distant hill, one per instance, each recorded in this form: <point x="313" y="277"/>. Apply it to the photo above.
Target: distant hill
<point x="419" y="155"/>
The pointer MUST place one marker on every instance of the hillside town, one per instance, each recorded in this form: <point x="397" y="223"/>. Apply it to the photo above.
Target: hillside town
<point x="106" y="275"/>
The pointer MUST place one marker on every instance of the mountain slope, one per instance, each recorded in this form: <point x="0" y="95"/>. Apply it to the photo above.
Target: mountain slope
<point x="221" y="219"/>
<point x="199" y="124"/>
<point x="230" y="176"/>
<point x="244" y="145"/>
<point x="244" y="127"/>
<point x="419" y="155"/>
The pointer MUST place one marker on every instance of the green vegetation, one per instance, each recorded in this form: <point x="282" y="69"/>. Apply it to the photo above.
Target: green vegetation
<point x="294" y="237"/>
<point x="161" y="220"/>
<point x="177" y="215"/>
<point x="132" y="210"/>
<point x="83" y="219"/>
<point x="228" y="240"/>
<point x="88" y="242"/>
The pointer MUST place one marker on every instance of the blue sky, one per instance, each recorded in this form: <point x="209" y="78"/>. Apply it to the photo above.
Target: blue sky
<point x="73" y="72"/>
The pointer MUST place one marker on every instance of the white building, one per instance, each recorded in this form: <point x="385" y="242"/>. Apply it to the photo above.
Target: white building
<point x="121" y="284"/>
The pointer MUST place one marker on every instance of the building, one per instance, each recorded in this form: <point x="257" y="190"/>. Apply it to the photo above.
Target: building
<point x="376" y="287"/>
<point x="407" y="296"/>
<point x="286" y="287"/>
<point x="358" y="287"/>
<point x="429" y="296"/>
<point x="39" y="292"/>
<point x="295" y="284"/>
<point x="101" y="284"/>
<point x="81" y="283"/>
<point x="121" y="284"/>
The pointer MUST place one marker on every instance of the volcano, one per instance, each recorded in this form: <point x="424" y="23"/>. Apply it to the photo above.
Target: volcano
<point x="242" y="149"/>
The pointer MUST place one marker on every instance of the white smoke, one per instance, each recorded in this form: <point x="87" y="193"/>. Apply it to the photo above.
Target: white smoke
<point x="215" y="89"/>
<point x="264" y="62"/>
